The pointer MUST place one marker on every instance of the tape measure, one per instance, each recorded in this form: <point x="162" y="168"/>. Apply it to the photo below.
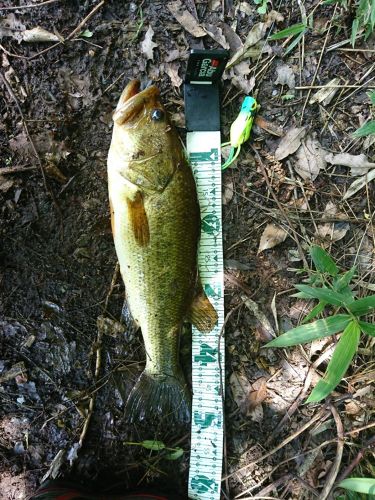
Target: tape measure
<point x="203" y="146"/>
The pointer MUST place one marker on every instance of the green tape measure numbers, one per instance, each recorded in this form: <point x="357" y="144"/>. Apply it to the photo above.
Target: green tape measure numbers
<point x="207" y="350"/>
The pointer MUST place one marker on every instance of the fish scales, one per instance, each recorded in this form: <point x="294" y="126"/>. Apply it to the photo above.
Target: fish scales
<point x="156" y="226"/>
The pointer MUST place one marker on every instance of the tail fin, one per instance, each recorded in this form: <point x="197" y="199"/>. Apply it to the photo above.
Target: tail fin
<point x="165" y="397"/>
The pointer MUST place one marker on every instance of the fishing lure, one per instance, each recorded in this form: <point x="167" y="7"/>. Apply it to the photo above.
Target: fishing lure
<point x="240" y="129"/>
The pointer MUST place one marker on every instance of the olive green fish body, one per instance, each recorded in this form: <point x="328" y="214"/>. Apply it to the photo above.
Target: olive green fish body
<point x="156" y="225"/>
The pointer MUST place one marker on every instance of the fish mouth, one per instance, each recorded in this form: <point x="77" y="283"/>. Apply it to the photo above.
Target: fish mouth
<point x="133" y="101"/>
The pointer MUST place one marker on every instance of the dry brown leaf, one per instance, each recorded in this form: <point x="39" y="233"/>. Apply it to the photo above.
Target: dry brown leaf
<point x="358" y="164"/>
<point x="216" y="34"/>
<point x="290" y="142"/>
<point x="310" y="159"/>
<point x="256" y="34"/>
<point x="327" y="93"/>
<point x="246" y="8"/>
<point x="258" y="394"/>
<point x="148" y="45"/>
<point x="231" y="37"/>
<point x="359" y="184"/>
<point x="331" y="232"/>
<point x="228" y="192"/>
<point x="270" y="127"/>
<point x="285" y="76"/>
<point x="272" y="235"/>
<point x="187" y="20"/>
<point x="39" y="35"/>
<point x="274" y="17"/>
<point x="5" y="184"/>
<point x="241" y="389"/>
<point x="172" y="71"/>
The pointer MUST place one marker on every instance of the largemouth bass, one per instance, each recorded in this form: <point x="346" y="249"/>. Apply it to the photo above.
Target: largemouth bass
<point x="156" y="226"/>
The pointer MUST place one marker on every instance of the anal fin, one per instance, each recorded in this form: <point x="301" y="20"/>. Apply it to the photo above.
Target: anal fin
<point x="202" y="313"/>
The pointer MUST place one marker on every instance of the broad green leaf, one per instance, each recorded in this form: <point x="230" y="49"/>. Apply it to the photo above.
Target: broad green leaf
<point x="368" y="328"/>
<point x="344" y="279"/>
<point x="291" y="31"/>
<point x="362" y="306"/>
<point x="341" y="358"/>
<point x="153" y="445"/>
<point x="372" y="94"/>
<point x="364" y="485"/>
<point x="323" y="261"/>
<point x="324" y="293"/>
<point x="315" y="311"/>
<point x="366" y="129"/>
<point x="317" y="330"/>
<point x="175" y="454"/>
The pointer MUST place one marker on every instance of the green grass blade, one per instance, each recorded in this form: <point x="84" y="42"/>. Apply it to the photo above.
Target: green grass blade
<point x="314" y="312"/>
<point x="292" y="30"/>
<point x="355" y="27"/>
<point x="340" y="361"/>
<point x="324" y="293"/>
<point x="364" y="485"/>
<point x="323" y="261"/>
<point x="294" y="43"/>
<point x="368" y="328"/>
<point x="366" y="129"/>
<point x="362" y="306"/>
<point x="317" y="330"/>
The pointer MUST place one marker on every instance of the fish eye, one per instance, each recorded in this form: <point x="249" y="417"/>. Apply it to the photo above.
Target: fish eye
<point x="157" y="115"/>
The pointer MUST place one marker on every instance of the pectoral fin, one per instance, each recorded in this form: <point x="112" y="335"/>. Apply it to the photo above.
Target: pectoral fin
<point x="138" y="219"/>
<point x="202" y="313"/>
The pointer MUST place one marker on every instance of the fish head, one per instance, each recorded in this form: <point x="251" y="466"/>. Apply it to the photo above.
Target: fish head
<point x="143" y="137"/>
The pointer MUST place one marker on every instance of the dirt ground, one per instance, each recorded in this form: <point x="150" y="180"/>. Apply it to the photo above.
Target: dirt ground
<point x="58" y="266"/>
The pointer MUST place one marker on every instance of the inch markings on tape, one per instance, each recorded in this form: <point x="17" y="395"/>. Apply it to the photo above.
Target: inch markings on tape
<point x="208" y="350"/>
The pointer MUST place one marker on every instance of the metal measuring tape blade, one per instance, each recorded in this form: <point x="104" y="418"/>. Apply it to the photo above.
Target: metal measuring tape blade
<point x="202" y="111"/>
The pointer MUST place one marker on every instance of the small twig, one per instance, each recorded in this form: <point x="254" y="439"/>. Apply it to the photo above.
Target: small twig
<point x="10" y="54"/>
<point x="370" y="443"/>
<point x="15" y="170"/>
<point x="29" y="6"/>
<point x="336" y="464"/>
